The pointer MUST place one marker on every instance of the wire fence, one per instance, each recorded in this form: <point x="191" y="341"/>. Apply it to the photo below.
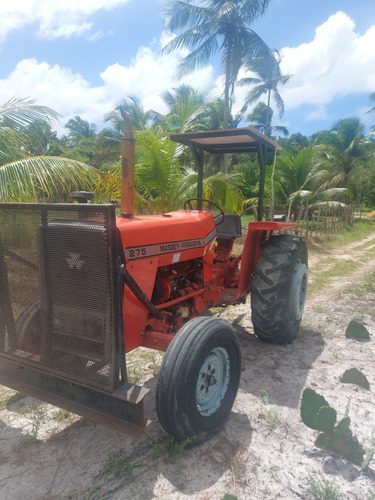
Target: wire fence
<point x="322" y="219"/>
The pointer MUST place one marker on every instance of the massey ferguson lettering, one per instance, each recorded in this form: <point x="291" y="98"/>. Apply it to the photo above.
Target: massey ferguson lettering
<point x="180" y="245"/>
<point x="169" y="247"/>
<point x="162" y="248"/>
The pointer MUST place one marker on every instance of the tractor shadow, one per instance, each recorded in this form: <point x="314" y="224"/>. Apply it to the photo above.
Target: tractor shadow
<point x="85" y="460"/>
<point x="280" y="370"/>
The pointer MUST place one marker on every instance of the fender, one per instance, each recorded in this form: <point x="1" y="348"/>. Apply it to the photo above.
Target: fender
<point x="257" y="232"/>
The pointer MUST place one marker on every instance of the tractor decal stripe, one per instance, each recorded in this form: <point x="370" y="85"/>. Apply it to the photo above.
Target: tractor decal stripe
<point x="141" y="252"/>
<point x="210" y="236"/>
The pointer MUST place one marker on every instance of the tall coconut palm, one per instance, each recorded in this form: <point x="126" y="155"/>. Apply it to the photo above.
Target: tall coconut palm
<point x="299" y="179"/>
<point x="347" y="154"/>
<point x="39" y="178"/>
<point x="211" y="27"/>
<point x="79" y="129"/>
<point x="267" y="80"/>
<point x="162" y="184"/>
<point x="140" y="118"/>
<point x="186" y="107"/>
<point x="261" y="118"/>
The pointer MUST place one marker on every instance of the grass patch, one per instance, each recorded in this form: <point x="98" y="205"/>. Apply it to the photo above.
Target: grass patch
<point x="10" y="399"/>
<point x="63" y="415"/>
<point x="246" y="219"/>
<point x="365" y="245"/>
<point x="170" y="449"/>
<point x="142" y="363"/>
<point x="358" y="231"/>
<point x="121" y="467"/>
<point x="330" y="268"/>
<point x="323" y="489"/>
<point x="362" y="288"/>
<point x="341" y="268"/>
<point x="369" y="284"/>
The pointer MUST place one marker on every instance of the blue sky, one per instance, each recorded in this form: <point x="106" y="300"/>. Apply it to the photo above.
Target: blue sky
<point x="81" y="57"/>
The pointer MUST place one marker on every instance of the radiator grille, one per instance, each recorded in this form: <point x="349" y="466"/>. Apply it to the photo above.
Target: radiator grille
<point x="59" y="291"/>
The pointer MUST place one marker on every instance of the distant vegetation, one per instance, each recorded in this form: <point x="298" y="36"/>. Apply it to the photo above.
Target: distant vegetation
<point x="335" y="166"/>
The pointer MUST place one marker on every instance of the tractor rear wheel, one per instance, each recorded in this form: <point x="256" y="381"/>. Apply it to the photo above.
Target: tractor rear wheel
<point x="279" y="289"/>
<point x="198" y="379"/>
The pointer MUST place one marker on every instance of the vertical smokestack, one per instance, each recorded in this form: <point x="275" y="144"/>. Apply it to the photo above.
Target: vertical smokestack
<point x="127" y="168"/>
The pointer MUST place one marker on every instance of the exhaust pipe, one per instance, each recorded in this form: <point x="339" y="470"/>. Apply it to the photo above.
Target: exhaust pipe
<point x="127" y="168"/>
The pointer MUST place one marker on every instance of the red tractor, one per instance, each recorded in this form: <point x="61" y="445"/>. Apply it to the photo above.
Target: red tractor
<point x="81" y="287"/>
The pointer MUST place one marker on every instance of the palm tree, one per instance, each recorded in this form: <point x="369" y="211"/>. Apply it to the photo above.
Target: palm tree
<point x="267" y="80"/>
<point x="15" y="115"/>
<point x="45" y="178"/>
<point x="261" y="118"/>
<point x="216" y="26"/>
<point x="347" y="154"/>
<point x="162" y="184"/>
<point x="39" y="136"/>
<point x="79" y="129"/>
<point x="299" y="179"/>
<point x="140" y="118"/>
<point x="296" y="142"/>
<point x="186" y="108"/>
<point x="38" y="178"/>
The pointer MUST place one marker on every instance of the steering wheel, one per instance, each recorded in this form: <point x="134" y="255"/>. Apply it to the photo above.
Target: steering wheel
<point x="219" y="219"/>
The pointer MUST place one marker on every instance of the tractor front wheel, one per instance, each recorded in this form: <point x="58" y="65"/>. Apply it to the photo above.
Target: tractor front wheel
<point x="198" y="379"/>
<point x="279" y="289"/>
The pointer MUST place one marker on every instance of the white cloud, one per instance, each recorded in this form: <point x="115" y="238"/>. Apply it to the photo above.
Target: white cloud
<point x="54" y="18"/>
<point x="338" y="62"/>
<point x="147" y="77"/>
<point x="368" y="119"/>
<point x="320" y="113"/>
<point x="59" y="88"/>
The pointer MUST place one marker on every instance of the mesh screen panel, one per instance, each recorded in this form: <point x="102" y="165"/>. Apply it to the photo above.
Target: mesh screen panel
<point x="59" y="302"/>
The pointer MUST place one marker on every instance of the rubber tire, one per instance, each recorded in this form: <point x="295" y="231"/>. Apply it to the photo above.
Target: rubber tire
<point x="273" y="315"/>
<point x="176" y="404"/>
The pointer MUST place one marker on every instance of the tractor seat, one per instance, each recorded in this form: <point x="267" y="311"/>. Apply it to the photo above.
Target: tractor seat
<point x="230" y="228"/>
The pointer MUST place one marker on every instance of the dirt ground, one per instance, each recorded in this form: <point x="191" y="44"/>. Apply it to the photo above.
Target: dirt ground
<point x="46" y="453"/>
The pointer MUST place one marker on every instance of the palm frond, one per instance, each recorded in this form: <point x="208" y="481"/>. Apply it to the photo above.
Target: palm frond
<point x="44" y="178"/>
<point x="21" y="112"/>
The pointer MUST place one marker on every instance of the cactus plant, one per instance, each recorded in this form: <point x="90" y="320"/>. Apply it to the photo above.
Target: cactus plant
<point x="357" y="331"/>
<point x="310" y="406"/>
<point x="317" y="414"/>
<point x="268" y="413"/>
<point x="354" y="376"/>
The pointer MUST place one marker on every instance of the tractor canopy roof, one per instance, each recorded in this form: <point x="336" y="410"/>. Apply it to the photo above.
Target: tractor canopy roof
<point x="236" y="140"/>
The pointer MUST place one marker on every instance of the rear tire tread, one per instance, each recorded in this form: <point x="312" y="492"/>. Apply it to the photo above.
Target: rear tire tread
<point x="271" y="288"/>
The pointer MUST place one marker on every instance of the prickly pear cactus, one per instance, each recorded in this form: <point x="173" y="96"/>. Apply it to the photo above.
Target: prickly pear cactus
<point x="354" y="376"/>
<point x="356" y="331"/>
<point x="348" y="446"/>
<point x="325" y="419"/>
<point x="317" y="414"/>
<point x="311" y="404"/>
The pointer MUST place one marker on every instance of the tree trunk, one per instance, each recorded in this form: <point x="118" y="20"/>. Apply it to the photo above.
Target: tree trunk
<point x="226" y="111"/>
<point x="272" y="207"/>
<point x="267" y="129"/>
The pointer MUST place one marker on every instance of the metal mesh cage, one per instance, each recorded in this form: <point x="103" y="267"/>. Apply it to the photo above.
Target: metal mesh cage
<point x="59" y="292"/>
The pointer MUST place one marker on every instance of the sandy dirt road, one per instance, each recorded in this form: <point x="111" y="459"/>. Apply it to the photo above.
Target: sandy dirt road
<point x="46" y="453"/>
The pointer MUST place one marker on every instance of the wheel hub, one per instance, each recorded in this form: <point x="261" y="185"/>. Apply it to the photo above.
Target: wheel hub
<point x="213" y="380"/>
<point x="298" y="291"/>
